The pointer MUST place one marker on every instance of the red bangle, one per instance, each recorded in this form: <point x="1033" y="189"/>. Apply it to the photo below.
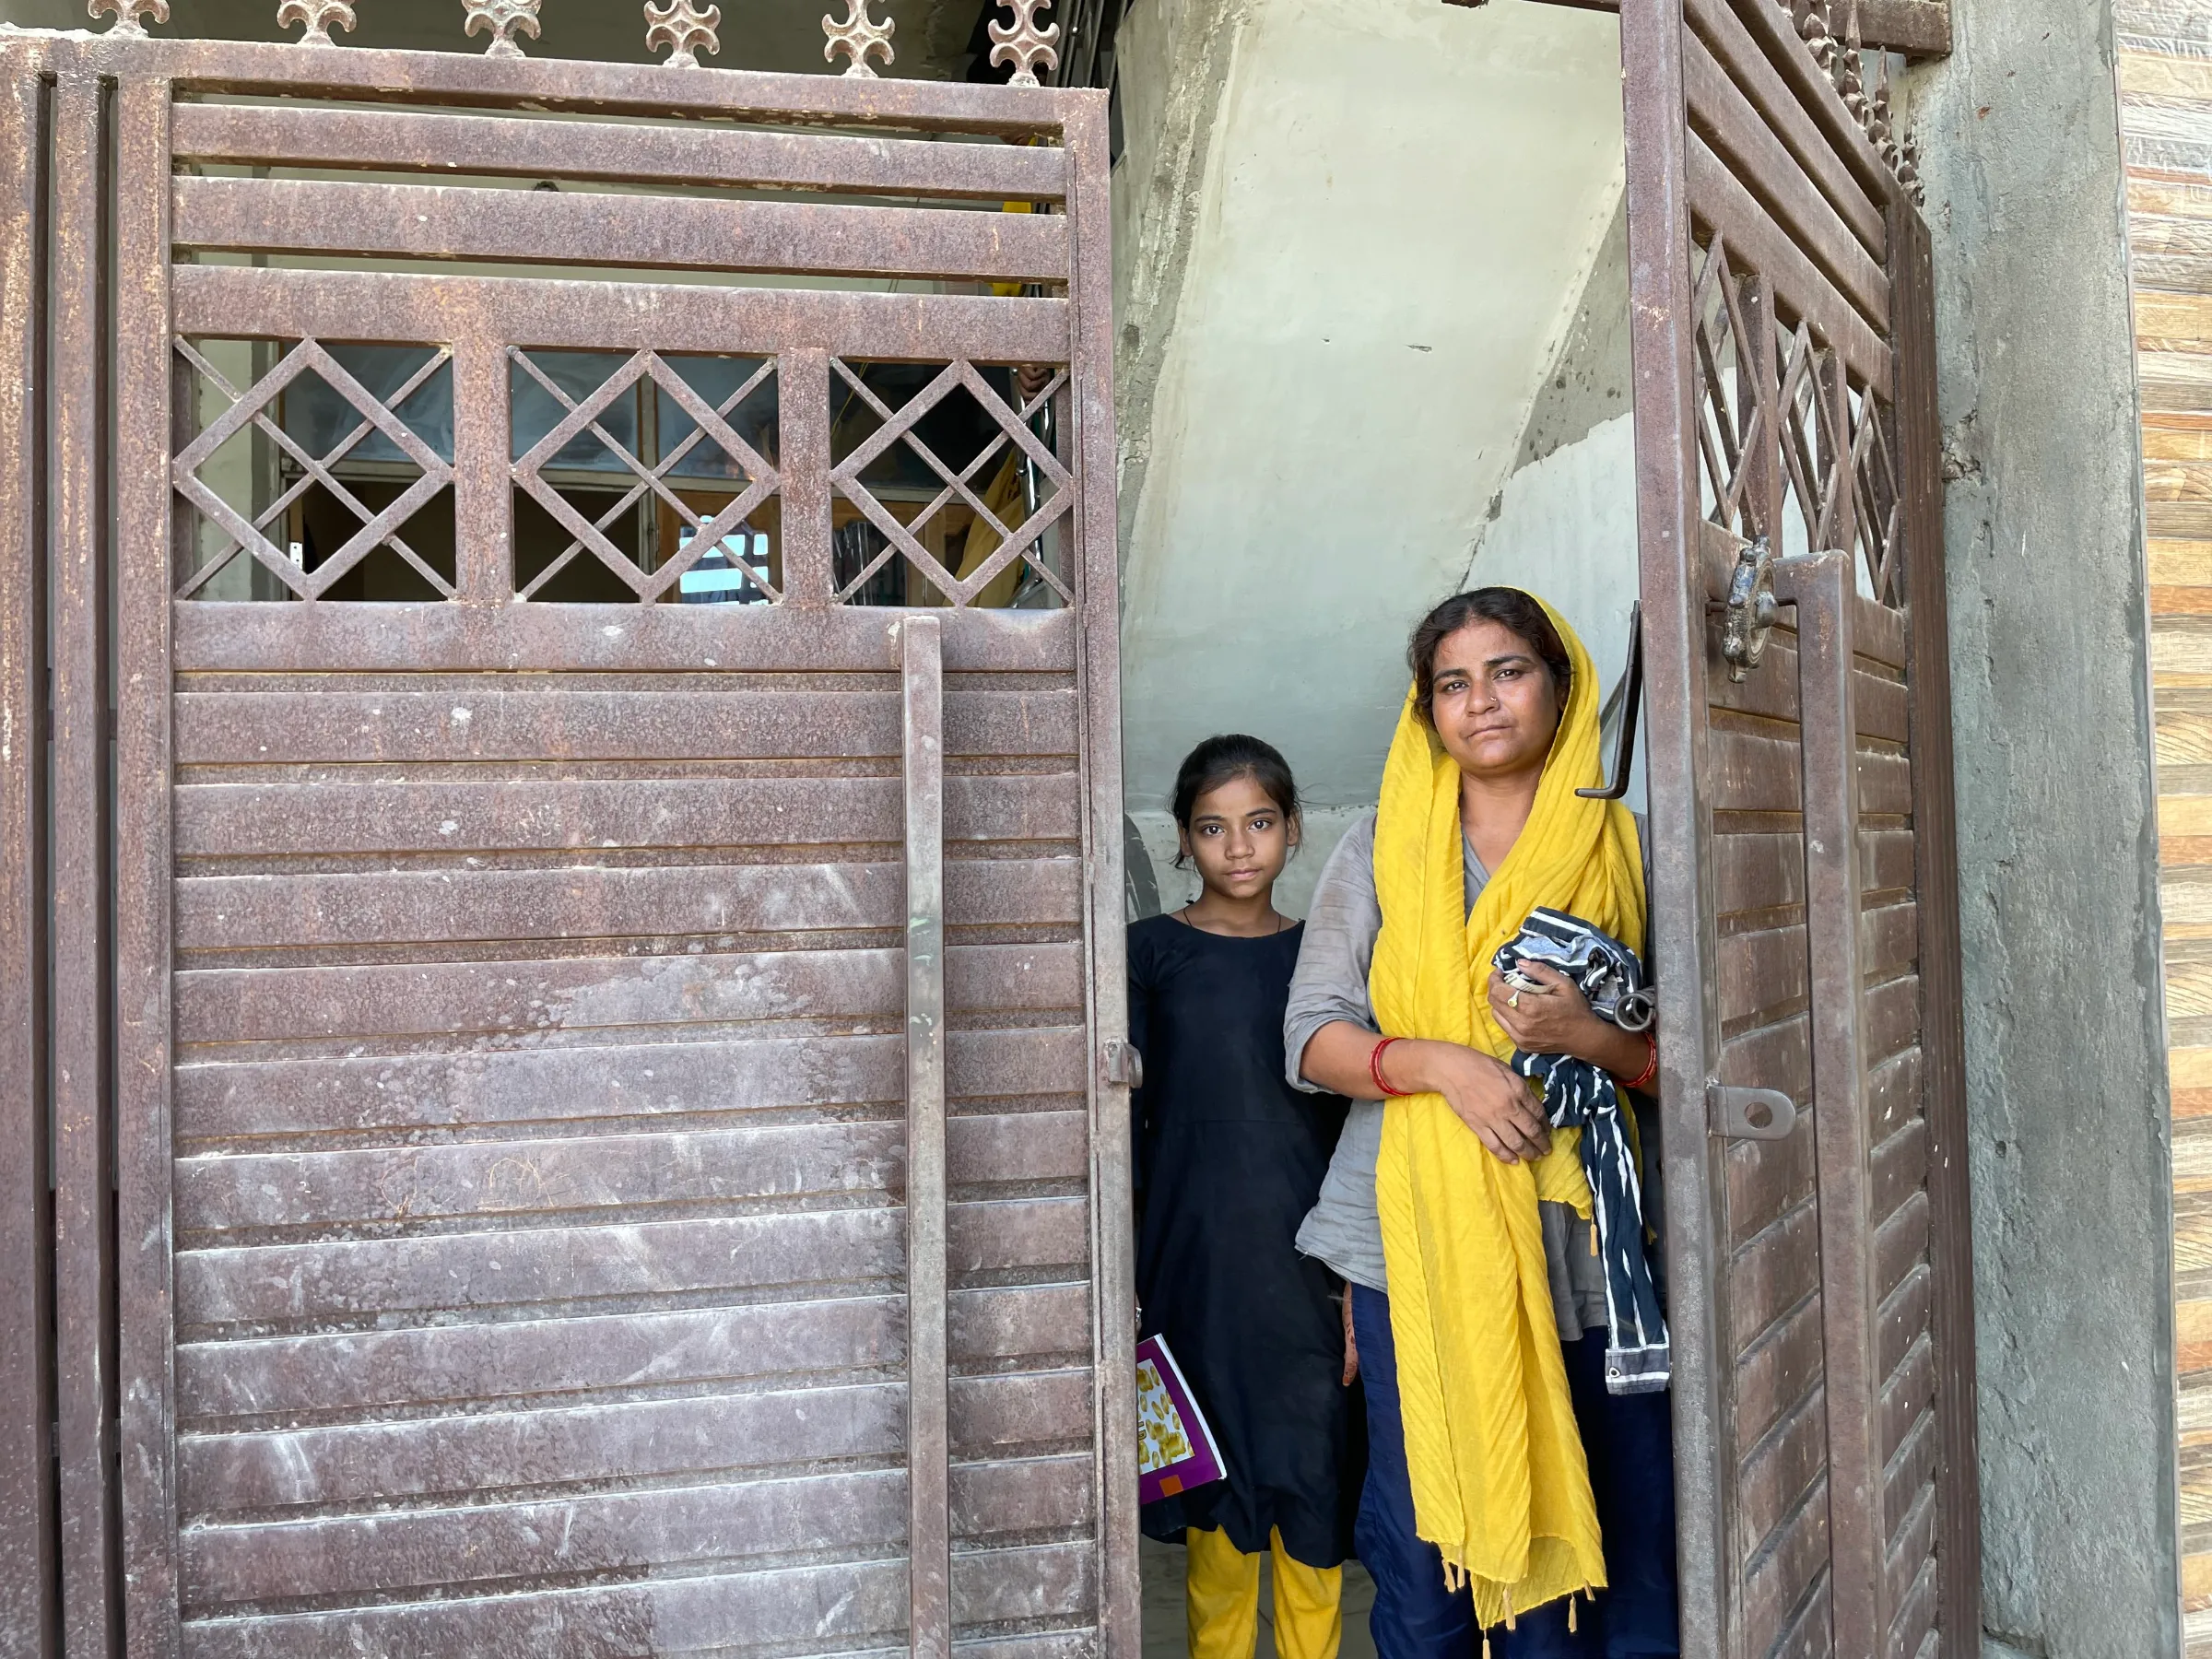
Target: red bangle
<point x="1375" y="1068"/>
<point x="1651" y="1064"/>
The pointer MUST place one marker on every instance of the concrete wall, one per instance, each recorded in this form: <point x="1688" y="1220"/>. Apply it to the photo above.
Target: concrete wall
<point x="1353" y="236"/>
<point x="2057" y="836"/>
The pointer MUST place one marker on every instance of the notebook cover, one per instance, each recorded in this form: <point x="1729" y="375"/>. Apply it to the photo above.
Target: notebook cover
<point x="1175" y="1448"/>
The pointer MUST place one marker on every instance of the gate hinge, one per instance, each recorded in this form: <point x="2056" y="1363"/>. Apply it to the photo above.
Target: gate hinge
<point x="1750" y="609"/>
<point x="1122" y="1065"/>
<point x="1751" y="1114"/>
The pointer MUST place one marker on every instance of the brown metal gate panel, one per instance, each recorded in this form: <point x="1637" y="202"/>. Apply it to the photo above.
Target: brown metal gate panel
<point x="580" y="1053"/>
<point x="1792" y="561"/>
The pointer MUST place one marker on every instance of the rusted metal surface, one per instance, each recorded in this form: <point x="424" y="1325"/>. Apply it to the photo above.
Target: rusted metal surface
<point x="29" y="1549"/>
<point x="858" y="36"/>
<point x="1769" y="206"/>
<point x="1022" y="45"/>
<point x="318" y="16"/>
<point x="1943" y="1033"/>
<point x="688" y="28"/>
<point x="82" y="1022"/>
<point x="929" y="1452"/>
<point x="1914" y="27"/>
<point x="540" y="988"/>
<point x="503" y="19"/>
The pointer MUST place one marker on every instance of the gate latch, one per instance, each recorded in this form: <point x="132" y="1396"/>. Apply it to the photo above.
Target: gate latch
<point x="1123" y="1065"/>
<point x="1750" y="609"/>
<point x="1751" y="1114"/>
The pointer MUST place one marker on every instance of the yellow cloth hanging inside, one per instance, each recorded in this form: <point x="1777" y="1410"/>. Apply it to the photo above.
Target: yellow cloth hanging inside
<point x="1006" y="501"/>
<point x="1499" y="1482"/>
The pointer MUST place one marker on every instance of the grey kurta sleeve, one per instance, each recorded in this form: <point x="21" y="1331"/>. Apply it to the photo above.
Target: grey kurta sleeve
<point x="1330" y="982"/>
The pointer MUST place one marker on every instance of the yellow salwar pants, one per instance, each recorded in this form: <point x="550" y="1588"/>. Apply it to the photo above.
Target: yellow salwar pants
<point x="1222" y="1586"/>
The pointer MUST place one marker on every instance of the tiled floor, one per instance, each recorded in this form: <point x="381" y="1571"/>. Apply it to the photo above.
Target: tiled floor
<point x="2165" y="81"/>
<point x="1161" y="1566"/>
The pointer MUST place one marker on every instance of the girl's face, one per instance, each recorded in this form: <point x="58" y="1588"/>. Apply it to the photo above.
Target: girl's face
<point x="1238" y="839"/>
<point x="1495" y="707"/>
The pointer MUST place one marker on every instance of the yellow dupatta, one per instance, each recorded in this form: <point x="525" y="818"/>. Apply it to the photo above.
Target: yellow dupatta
<point x="1499" y="1482"/>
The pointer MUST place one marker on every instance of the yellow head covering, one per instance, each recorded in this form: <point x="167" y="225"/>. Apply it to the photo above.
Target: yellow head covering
<point x="1499" y="1482"/>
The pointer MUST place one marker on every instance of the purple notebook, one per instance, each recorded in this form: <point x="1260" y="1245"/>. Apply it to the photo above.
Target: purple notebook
<point x="1175" y="1448"/>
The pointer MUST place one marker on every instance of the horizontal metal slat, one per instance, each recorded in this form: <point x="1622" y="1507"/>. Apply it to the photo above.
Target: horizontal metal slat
<point x="832" y="1514"/>
<point x="1741" y="137"/>
<point x="425" y="906"/>
<point x="1795" y="1556"/>
<point x="358" y="1094"/>
<point x="1773" y="1480"/>
<point x="1718" y="199"/>
<point x="1772" y="1273"/>
<point x="663" y="232"/>
<point x="1775" y="1374"/>
<point x="641" y="1173"/>
<point x="486" y="723"/>
<point x="546" y="1361"/>
<point x="407" y="308"/>
<point x="561" y="1264"/>
<point x="699" y="156"/>
<point x="460" y="816"/>
<point x="539" y="998"/>
<point x="211" y="637"/>
<point x="860" y="1604"/>
<point x="627" y="1442"/>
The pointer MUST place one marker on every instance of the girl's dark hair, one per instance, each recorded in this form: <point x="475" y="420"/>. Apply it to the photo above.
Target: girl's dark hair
<point x="1223" y="759"/>
<point x="1508" y="607"/>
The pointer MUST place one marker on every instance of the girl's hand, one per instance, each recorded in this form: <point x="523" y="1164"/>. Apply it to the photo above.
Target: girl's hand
<point x="1486" y="1094"/>
<point x="1553" y="1019"/>
<point x="1351" y="1342"/>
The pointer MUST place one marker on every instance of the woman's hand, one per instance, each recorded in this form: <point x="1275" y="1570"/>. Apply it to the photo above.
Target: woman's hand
<point x="1556" y="1019"/>
<point x="1487" y="1095"/>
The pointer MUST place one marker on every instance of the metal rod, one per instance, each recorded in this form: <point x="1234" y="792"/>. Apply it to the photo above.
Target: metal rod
<point x="928" y="1447"/>
<point x="1631" y="706"/>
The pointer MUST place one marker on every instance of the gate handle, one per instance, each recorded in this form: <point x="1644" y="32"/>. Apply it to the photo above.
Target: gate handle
<point x="1631" y="705"/>
<point x="1765" y="1114"/>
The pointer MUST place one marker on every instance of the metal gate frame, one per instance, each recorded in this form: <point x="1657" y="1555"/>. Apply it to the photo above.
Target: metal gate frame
<point x="88" y="299"/>
<point x="1719" y="94"/>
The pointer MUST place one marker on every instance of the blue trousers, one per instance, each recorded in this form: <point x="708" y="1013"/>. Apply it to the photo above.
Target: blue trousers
<point x="1629" y="1441"/>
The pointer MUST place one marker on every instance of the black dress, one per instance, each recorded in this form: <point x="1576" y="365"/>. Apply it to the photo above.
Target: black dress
<point x="1229" y="1158"/>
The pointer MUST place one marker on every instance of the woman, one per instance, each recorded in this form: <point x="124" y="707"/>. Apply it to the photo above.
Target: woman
<point x="1229" y="1160"/>
<point x="1462" y="1223"/>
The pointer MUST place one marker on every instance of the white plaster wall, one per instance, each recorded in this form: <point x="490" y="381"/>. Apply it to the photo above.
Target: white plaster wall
<point x="1397" y="208"/>
<point x="1566" y="528"/>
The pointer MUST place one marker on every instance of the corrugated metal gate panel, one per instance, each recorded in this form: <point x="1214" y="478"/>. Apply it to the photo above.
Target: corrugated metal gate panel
<point x="1826" y="1453"/>
<point x="516" y="996"/>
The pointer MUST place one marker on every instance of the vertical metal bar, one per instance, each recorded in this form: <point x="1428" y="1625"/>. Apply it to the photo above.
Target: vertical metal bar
<point x="1093" y="567"/>
<point x="144" y="1222"/>
<point x="1935" y="886"/>
<point x="28" y="1546"/>
<point x="928" y="1447"/>
<point x="1822" y="586"/>
<point x="802" y="471"/>
<point x="483" y="490"/>
<point x="1684" y="945"/>
<point x="84" y="1175"/>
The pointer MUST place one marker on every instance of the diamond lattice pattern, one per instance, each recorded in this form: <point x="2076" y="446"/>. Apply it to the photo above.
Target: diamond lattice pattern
<point x="246" y="530"/>
<point x="1042" y="502"/>
<point x="590" y="418"/>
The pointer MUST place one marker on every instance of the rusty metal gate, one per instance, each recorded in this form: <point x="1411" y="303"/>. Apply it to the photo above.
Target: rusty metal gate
<point x="1792" y="554"/>
<point x="562" y="679"/>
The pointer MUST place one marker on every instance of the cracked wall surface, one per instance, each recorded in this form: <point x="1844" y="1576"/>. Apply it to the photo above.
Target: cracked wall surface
<point x="2057" y="833"/>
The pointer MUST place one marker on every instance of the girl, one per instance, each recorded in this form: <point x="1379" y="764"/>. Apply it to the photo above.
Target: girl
<point x="1229" y="1158"/>
<point x="1478" y="1299"/>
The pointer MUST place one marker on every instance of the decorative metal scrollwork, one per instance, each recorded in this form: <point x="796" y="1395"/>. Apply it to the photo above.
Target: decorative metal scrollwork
<point x="128" y="12"/>
<point x="1022" y="43"/>
<point x="320" y="16"/>
<point x="684" y="26"/>
<point x="1840" y="57"/>
<point x="857" y="36"/>
<point x="504" y="19"/>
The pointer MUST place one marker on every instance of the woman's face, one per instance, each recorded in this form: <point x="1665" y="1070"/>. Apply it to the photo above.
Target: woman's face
<point x="1238" y="839"/>
<point x="1495" y="707"/>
